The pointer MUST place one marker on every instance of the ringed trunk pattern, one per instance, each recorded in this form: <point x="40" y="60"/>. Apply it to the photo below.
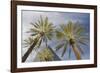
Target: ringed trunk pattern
<point x="76" y="51"/>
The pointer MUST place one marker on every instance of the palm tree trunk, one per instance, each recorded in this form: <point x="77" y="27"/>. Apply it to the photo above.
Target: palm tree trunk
<point x="56" y="58"/>
<point x="29" y="50"/>
<point x="76" y="51"/>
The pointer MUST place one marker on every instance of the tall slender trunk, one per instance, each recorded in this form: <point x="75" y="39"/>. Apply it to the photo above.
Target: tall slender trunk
<point x="29" y="50"/>
<point x="76" y="51"/>
<point x="56" y="57"/>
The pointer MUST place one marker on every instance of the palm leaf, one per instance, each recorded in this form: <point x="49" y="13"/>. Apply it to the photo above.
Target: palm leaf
<point x="39" y="42"/>
<point x="62" y="26"/>
<point x="45" y="55"/>
<point x="69" y="53"/>
<point x="64" y="49"/>
<point x="80" y="49"/>
<point x="41" y="22"/>
<point x="33" y="34"/>
<point x="83" y="43"/>
<point x="34" y="25"/>
<point x="46" y="23"/>
<point x="80" y="31"/>
<point x="59" y="34"/>
<point x="25" y="46"/>
<point x="59" y="46"/>
<point x="28" y="41"/>
<point x="84" y="38"/>
<point x="49" y="36"/>
<point x="34" y="30"/>
<point x="69" y="26"/>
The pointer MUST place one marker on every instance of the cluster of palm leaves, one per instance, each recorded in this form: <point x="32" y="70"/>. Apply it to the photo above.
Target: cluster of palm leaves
<point x="70" y="34"/>
<point x="42" y="30"/>
<point x="45" y="55"/>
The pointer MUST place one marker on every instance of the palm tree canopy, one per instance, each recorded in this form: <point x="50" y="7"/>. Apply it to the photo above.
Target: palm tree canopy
<point x="43" y="29"/>
<point x="28" y="41"/>
<point x="45" y="55"/>
<point x="69" y="34"/>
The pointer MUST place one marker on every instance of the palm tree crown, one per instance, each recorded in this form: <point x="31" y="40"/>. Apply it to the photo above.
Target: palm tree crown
<point x="42" y="30"/>
<point x="45" y="55"/>
<point x="73" y="35"/>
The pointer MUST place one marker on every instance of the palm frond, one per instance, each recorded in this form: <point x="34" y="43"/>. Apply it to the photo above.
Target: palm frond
<point x="28" y="41"/>
<point x="83" y="43"/>
<point x="34" y="34"/>
<point x="62" y="26"/>
<point x="85" y="39"/>
<point x="79" y="31"/>
<point x="59" y="34"/>
<point x="34" y="25"/>
<point x="46" y="22"/>
<point x="64" y="49"/>
<point x="69" y="26"/>
<point x="69" y="53"/>
<point x="39" y="42"/>
<point x="45" y="55"/>
<point x="34" y="30"/>
<point x="80" y="49"/>
<point x="58" y="47"/>
<point x="49" y="36"/>
<point x="41" y="22"/>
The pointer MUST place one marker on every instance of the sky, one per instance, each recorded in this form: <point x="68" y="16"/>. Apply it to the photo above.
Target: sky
<point x="57" y="18"/>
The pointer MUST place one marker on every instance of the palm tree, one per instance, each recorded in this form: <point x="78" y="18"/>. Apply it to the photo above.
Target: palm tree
<point x="28" y="42"/>
<point x="72" y="35"/>
<point x="42" y="31"/>
<point x="45" y="55"/>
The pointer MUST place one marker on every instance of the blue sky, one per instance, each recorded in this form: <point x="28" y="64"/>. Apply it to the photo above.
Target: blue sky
<point x="57" y="18"/>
